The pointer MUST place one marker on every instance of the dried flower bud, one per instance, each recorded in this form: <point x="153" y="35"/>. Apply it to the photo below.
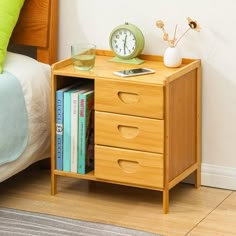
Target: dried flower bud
<point x="193" y="24"/>
<point x="165" y="36"/>
<point x="160" y="24"/>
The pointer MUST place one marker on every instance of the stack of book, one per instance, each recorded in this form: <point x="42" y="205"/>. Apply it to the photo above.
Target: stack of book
<point x="75" y="128"/>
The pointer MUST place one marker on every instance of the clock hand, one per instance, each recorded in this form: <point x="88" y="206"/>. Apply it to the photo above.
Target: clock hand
<point x="125" y="46"/>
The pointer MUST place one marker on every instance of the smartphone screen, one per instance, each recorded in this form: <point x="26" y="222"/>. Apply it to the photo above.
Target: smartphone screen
<point x="132" y="72"/>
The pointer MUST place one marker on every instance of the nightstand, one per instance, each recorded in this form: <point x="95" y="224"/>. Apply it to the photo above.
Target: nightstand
<point x="147" y="128"/>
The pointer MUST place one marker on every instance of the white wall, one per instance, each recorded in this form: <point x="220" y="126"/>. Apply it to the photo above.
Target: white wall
<point x="92" y="21"/>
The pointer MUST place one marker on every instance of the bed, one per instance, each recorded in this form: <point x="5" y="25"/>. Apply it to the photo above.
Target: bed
<point x="36" y="31"/>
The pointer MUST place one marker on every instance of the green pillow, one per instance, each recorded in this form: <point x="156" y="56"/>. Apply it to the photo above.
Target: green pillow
<point x="9" y="13"/>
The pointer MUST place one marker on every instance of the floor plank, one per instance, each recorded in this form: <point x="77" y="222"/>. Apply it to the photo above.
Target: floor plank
<point x="112" y="204"/>
<point x="221" y="222"/>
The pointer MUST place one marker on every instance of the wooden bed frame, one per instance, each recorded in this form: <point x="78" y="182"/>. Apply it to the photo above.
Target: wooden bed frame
<point x="37" y="26"/>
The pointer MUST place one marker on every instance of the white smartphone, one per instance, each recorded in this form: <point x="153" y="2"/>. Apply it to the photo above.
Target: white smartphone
<point x="134" y="72"/>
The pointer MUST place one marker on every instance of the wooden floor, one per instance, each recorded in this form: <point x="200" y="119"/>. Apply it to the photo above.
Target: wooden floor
<point x="195" y="212"/>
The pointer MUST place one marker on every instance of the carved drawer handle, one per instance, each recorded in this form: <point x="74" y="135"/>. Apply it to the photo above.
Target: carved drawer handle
<point x="128" y="132"/>
<point x="128" y="98"/>
<point x="128" y="166"/>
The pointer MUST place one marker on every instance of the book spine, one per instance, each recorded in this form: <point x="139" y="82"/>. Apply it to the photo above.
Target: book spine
<point x="59" y="130"/>
<point x="67" y="132"/>
<point x="81" y="166"/>
<point x="89" y="138"/>
<point x="84" y="111"/>
<point x="74" y="131"/>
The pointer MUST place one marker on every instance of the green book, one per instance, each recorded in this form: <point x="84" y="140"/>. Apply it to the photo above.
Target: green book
<point x="85" y="138"/>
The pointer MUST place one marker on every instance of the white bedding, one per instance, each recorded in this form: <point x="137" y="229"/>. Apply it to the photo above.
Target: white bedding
<point x="35" y="81"/>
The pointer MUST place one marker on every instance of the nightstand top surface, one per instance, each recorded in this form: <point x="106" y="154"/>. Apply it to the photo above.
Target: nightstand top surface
<point x="104" y="69"/>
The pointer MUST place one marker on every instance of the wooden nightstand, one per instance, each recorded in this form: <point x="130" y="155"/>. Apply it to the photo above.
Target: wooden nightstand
<point x="147" y="128"/>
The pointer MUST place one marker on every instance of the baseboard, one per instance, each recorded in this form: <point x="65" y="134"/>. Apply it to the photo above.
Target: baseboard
<point x="218" y="176"/>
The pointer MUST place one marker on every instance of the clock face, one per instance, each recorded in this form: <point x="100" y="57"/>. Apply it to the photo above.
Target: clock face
<point x="123" y="42"/>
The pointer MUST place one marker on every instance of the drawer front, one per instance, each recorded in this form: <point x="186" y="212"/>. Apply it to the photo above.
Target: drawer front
<point x="129" y="132"/>
<point x="126" y="166"/>
<point x="129" y="98"/>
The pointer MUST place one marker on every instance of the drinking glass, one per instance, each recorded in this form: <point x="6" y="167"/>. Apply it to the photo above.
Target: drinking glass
<point x="83" y="56"/>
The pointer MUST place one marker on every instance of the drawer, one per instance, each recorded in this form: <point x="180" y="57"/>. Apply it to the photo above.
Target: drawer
<point x="126" y="166"/>
<point x="130" y="132"/>
<point x="129" y="98"/>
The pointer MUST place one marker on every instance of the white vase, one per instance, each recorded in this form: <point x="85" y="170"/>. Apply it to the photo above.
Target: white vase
<point x="172" y="57"/>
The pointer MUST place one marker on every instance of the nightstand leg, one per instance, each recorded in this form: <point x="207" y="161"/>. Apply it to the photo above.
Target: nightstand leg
<point x="53" y="184"/>
<point x="165" y="201"/>
<point x="198" y="177"/>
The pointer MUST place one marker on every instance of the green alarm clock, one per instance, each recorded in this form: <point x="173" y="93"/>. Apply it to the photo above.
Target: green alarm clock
<point x="127" y="42"/>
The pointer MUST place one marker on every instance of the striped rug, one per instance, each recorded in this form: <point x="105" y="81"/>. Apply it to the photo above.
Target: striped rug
<point x="16" y="222"/>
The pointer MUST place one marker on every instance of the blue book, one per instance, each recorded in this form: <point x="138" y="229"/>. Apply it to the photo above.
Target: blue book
<point x="86" y="106"/>
<point x="59" y="126"/>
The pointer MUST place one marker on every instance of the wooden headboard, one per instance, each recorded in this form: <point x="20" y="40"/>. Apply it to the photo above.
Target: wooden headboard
<point x="37" y="26"/>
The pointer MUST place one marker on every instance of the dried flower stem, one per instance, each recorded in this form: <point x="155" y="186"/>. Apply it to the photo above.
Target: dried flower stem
<point x="182" y="36"/>
<point x="174" y="38"/>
